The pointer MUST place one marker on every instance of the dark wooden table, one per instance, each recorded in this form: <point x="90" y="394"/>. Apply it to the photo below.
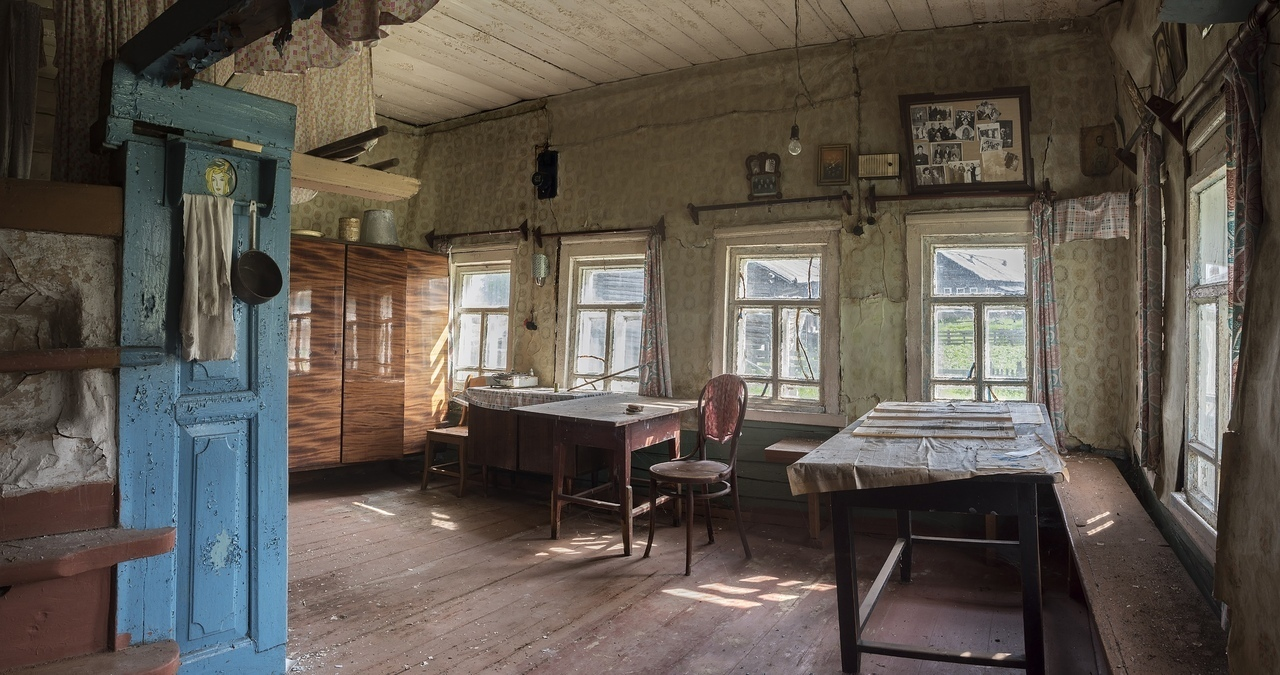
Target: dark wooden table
<point x="979" y="476"/>
<point x="603" y="422"/>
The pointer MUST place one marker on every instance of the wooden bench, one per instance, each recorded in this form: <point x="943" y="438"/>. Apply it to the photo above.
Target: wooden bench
<point x="1149" y="615"/>
<point x="787" y="451"/>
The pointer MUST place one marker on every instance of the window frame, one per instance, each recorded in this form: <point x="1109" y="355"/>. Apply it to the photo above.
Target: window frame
<point x="797" y="238"/>
<point x="576" y="256"/>
<point x="962" y="228"/>
<point x="1198" y="295"/>
<point x="470" y="262"/>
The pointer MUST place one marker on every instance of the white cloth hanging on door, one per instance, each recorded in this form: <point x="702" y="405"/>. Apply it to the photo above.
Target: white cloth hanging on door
<point x="207" y="325"/>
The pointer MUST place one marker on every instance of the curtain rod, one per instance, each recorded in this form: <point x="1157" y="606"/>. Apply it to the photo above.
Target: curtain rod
<point x="660" y="229"/>
<point x="432" y="238"/>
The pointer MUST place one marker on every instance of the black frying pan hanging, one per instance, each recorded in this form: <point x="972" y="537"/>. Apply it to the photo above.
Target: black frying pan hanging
<point x="255" y="277"/>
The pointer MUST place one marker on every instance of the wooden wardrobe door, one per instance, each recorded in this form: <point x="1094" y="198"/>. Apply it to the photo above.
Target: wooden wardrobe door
<point x="315" y="352"/>
<point x="373" y="373"/>
<point x="426" y="368"/>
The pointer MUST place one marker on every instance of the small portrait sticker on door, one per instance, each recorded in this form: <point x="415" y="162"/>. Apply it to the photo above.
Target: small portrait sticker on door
<point x="220" y="177"/>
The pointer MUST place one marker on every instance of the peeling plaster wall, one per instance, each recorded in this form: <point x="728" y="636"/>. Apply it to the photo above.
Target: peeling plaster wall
<point x="59" y="428"/>
<point x="635" y="151"/>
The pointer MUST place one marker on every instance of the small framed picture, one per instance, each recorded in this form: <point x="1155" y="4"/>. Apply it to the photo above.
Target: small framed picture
<point x="833" y="164"/>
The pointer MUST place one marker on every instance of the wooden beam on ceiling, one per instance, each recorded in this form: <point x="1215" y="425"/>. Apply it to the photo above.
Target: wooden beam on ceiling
<point x="326" y="175"/>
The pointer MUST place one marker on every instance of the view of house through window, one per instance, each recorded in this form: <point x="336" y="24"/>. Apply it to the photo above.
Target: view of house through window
<point x="608" y="297"/>
<point x="976" y="328"/>
<point x="482" y="298"/>
<point x="776" y="316"/>
<point x="1209" y="367"/>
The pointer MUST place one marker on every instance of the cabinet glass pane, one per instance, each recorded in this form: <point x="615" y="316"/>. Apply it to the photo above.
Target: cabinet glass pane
<point x="485" y="290"/>
<point x="753" y="342"/>
<point x="953" y="348"/>
<point x="590" y="342"/>
<point x="495" y="342"/>
<point x="1211" y="221"/>
<point x="800" y="347"/>
<point x="953" y="392"/>
<point x="626" y="341"/>
<point x="981" y="271"/>
<point x="611" y="285"/>
<point x="1005" y="343"/>
<point x="777" y="278"/>
<point x="466" y="353"/>
<point x="1205" y="424"/>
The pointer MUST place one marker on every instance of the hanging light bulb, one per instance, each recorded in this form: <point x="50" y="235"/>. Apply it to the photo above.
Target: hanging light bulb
<point x="794" y="146"/>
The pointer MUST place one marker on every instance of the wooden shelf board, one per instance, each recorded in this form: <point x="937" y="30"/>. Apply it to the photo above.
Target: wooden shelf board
<point x="66" y="208"/>
<point x="155" y="658"/>
<point x="327" y="175"/>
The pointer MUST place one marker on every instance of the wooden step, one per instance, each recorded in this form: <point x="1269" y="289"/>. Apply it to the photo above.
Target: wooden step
<point x="1150" y="616"/>
<point x="55" y="556"/>
<point x="156" y="658"/>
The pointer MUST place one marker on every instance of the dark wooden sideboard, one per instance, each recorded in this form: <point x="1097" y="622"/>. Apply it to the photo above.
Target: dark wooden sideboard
<point x="367" y="350"/>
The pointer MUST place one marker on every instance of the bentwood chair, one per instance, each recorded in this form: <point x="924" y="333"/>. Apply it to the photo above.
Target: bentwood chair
<point x="721" y="407"/>
<point x="456" y="436"/>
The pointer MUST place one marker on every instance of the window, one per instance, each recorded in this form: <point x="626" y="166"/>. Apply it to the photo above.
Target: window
<point x="1209" y="346"/>
<point x="481" y="314"/>
<point x="970" y="322"/>
<point x="606" y="298"/>
<point x="778" y="330"/>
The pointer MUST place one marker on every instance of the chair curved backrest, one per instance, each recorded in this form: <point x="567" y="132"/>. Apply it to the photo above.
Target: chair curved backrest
<point x="472" y="381"/>
<point x="721" y="408"/>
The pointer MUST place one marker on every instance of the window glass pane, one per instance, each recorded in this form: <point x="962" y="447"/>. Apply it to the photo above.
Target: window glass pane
<point x="980" y="271"/>
<point x="953" y="350"/>
<point x="1211" y="250"/>
<point x="611" y="285"/>
<point x="466" y="350"/>
<point x="495" y="341"/>
<point x="1202" y="479"/>
<point x="757" y="389"/>
<point x="1005" y="343"/>
<point x="799" y="348"/>
<point x="798" y="392"/>
<point x="626" y="341"/>
<point x="781" y="277"/>
<point x="460" y="379"/>
<point x="1006" y="393"/>
<point x="590" y="342"/>
<point x="952" y="392"/>
<point x="631" y="386"/>
<point x="753" y="342"/>
<point x="1205" y="425"/>
<point x="485" y="289"/>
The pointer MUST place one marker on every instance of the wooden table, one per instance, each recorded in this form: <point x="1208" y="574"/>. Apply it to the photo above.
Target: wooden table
<point x="603" y="422"/>
<point x="969" y="474"/>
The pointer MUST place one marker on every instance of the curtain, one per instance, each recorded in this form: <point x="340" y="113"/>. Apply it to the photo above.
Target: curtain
<point x="655" y="358"/>
<point x="1243" y="74"/>
<point x="21" y="36"/>
<point x="1151" y="307"/>
<point x="1047" y="377"/>
<point x="331" y="36"/>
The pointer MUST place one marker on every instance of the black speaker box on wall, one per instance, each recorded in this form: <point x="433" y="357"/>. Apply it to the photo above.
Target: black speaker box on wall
<point x="544" y="179"/>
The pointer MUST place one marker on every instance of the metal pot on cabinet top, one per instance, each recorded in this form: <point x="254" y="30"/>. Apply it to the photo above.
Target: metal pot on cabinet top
<point x="379" y="227"/>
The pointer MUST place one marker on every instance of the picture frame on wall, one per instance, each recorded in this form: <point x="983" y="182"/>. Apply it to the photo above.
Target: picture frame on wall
<point x="968" y="142"/>
<point x="833" y="164"/>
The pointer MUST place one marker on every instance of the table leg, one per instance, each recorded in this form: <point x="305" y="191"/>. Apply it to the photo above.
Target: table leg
<point x="625" y="494"/>
<point x="673" y="451"/>
<point x="1029" y="546"/>
<point x="904" y="532"/>
<point x="557" y="480"/>
<point x="815" y="520"/>
<point x="846" y="585"/>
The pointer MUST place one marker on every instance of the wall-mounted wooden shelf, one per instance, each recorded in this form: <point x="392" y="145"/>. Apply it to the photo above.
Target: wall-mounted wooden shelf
<point x="66" y="208"/>
<point x="327" y="175"/>
<point x="57" y="556"/>
<point x="79" y="358"/>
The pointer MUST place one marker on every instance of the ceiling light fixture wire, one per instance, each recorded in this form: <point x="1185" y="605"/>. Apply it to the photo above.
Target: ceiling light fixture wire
<point x="799" y="76"/>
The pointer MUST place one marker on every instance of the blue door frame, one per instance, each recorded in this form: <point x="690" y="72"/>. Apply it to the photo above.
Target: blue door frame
<point x="203" y="445"/>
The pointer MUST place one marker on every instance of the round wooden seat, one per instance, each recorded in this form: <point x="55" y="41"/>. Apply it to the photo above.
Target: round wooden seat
<point x="691" y="471"/>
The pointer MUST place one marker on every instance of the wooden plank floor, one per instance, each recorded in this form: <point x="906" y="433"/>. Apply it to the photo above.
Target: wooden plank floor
<point x="387" y="579"/>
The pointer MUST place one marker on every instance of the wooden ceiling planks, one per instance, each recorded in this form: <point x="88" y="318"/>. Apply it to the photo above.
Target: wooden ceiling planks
<point x="468" y="56"/>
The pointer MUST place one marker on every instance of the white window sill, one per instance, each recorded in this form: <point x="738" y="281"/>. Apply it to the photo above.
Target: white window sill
<point x="1197" y="528"/>
<point x="783" y="416"/>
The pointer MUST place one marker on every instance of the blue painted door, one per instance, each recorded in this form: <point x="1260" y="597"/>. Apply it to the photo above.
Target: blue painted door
<point x="203" y="445"/>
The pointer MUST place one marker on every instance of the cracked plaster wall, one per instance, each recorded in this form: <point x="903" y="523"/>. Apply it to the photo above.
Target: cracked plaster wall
<point x="58" y="428"/>
<point x="634" y="151"/>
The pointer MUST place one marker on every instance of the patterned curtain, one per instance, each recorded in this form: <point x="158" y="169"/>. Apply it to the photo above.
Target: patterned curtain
<point x="331" y="36"/>
<point x="655" y="359"/>
<point x="1243" y="73"/>
<point x="20" y="56"/>
<point x="1151" y="308"/>
<point x="1047" y="378"/>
